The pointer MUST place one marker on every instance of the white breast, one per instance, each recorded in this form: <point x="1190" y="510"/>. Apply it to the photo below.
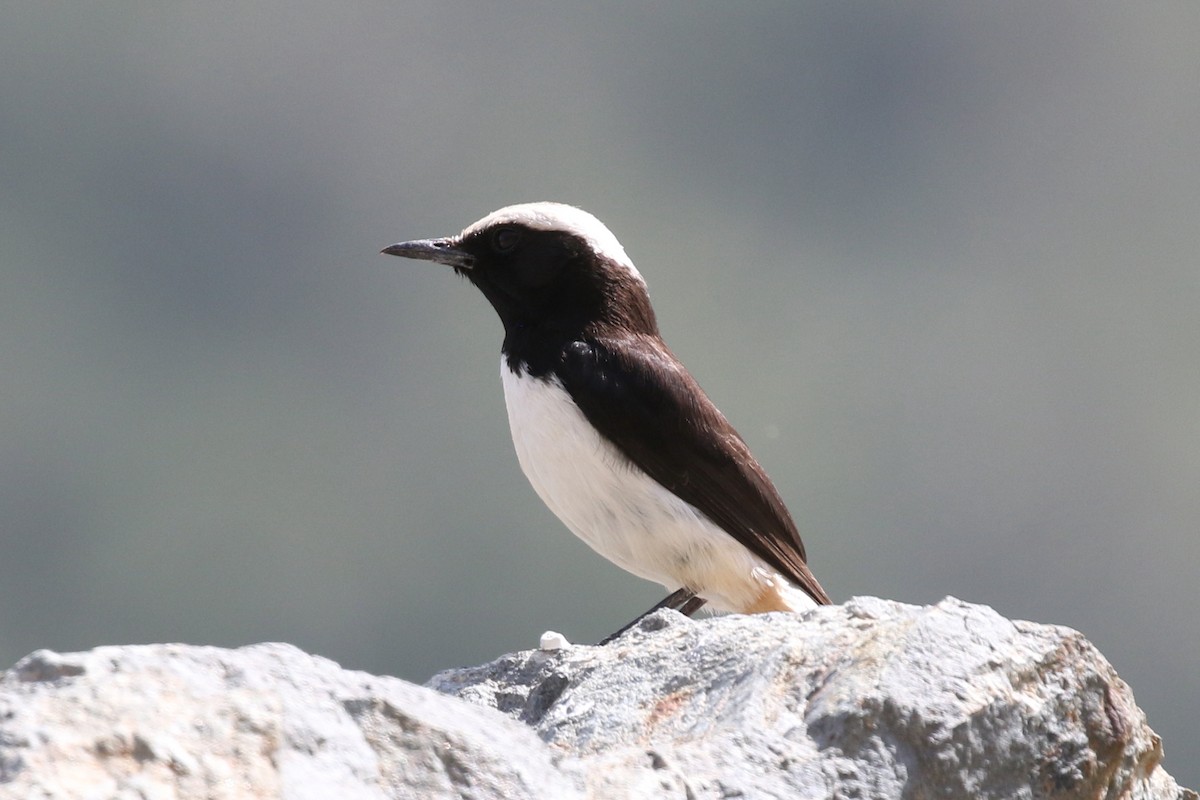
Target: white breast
<point x="616" y="508"/>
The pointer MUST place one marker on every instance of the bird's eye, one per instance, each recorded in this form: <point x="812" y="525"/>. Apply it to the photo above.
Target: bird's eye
<point x="505" y="239"/>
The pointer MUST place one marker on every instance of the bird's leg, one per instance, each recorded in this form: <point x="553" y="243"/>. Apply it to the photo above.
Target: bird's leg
<point x="685" y="601"/>
<point x="693" y="604"/>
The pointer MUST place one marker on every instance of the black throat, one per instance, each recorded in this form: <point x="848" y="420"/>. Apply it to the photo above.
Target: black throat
<point x="557" y="292"/>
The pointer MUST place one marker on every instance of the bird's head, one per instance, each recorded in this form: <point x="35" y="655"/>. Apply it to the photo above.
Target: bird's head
<point x="545" y="266"/>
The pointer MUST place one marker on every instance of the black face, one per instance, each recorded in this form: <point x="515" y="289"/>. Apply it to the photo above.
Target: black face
<point x="539" y="279"/>
<point x="545" y="282"/>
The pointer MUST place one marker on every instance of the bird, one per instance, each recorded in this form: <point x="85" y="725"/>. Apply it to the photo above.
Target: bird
<point x="613" y="433"/>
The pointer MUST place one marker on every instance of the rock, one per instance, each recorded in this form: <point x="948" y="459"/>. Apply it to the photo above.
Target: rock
<point x="180" y="722"/>
<point x="871" y="699"/>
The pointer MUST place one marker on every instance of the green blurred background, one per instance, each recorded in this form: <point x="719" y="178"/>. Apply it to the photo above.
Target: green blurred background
<point x="937" y="262"/>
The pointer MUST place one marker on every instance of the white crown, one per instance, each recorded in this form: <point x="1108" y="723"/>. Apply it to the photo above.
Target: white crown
<point x="560" y="217"/>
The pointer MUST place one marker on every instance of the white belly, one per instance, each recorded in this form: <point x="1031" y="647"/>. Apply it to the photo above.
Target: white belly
<point x="616" y="508"/>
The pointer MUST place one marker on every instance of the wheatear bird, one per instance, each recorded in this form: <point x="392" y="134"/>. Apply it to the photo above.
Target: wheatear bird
<point x="615" y="435"/>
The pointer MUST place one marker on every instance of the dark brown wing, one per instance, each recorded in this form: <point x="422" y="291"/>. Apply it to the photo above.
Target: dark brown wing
<point x="643" y="400"/>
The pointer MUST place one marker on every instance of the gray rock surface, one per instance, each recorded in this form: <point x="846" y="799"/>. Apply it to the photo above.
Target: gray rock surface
<point x="193" y="723"/>
<point x="871" y="699"/>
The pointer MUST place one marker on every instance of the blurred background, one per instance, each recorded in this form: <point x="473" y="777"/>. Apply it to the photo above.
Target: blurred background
<point x="937" y="262"/>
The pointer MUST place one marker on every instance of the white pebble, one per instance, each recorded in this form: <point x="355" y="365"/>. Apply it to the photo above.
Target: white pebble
<point x="553" y="640"/>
